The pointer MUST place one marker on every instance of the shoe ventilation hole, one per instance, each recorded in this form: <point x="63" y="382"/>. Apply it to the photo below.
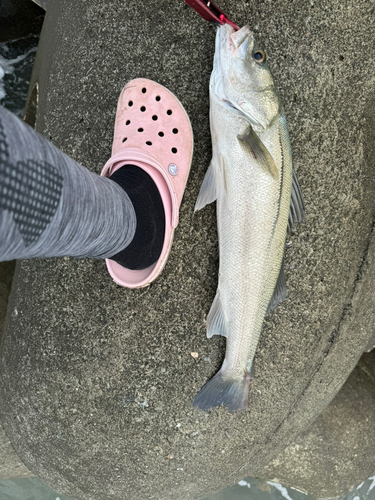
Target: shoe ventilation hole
<point x="161" y="134"/>
<point x="169" y="112"/>
<point x="130" y="103"/>
<point x="154" y="118"/>
<point x="124" y="139"/>
<point x="157" y="98"/>
<point x="174" y="150"/>
<point x="127" y="122"/>
<point x="143" y="108"/>
<point x="144" y="90"/>
<point x="175" y="130"/>
<point x="140" y="130"/>
<point x="149" y="143"/>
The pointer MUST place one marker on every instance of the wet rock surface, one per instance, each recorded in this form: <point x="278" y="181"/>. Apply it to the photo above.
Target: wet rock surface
<point x="97" y="380"/>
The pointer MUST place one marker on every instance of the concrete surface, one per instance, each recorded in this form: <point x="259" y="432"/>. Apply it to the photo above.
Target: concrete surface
<point x="339" y="446"/>
<point x="97" y="381"/>
<point x="321" y="460"/>
<point x="10" y="464"/>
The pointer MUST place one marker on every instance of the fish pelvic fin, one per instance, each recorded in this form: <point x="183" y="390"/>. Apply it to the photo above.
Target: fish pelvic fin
<point x="207" y="193"/>
<point x="230" y="392"/>
<point x="214" y="184"/>
<point x="255" y="148"/>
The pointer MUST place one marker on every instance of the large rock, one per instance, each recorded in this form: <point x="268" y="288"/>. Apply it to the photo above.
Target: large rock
<point x="97" y="380"/>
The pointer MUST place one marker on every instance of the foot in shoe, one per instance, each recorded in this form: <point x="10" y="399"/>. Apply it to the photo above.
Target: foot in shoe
<point x="147" y="244"/>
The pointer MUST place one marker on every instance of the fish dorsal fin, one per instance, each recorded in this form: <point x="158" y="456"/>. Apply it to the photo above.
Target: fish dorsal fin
<point x="258" y="151"/>
<point x="216" y="324"/>
<point x="296" y="214"/>
<point x="207" y="193"/>
<point x="279" y="294"/>
<point x="297" y="207"/>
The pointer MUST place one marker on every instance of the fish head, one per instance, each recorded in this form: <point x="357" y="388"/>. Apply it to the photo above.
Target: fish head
<point x="241" y="77"/>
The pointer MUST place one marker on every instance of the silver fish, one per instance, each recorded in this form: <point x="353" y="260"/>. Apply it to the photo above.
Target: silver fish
<point x="258" y="199"/>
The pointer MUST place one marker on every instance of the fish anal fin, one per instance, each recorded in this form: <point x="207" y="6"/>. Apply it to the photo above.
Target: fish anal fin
<point x="279" y="293"/>
<point x="216" y="324"/>
<point x="297" y="207"/>
<point x="258" y="151"/>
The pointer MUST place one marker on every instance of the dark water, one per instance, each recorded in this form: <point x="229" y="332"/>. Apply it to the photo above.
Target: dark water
<point x="16" y="61"/>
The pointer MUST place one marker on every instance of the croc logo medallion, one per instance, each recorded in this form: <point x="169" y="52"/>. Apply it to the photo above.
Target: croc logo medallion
<point x="172" y="169"/>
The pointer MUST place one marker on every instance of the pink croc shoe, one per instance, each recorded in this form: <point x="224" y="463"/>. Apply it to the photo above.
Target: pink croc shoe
<point x="153" y="132"/>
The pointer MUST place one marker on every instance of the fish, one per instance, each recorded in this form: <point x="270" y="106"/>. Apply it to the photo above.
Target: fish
<point x="258" y="197"/>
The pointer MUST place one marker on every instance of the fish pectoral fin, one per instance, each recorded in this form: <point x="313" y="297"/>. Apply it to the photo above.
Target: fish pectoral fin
<point x="255" y="147"/>
<point x="207" y="193"/>
<point x="279" y="293"/>
<point x="216" y="324"/>
<point x="297" y="207"/>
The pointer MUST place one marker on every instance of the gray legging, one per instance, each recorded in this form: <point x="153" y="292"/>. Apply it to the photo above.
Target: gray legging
<point x="51" y="206"/>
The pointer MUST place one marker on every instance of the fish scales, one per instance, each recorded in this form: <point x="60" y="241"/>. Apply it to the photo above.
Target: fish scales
<point x="249" y="261"/>
<point x="250" y="176"/>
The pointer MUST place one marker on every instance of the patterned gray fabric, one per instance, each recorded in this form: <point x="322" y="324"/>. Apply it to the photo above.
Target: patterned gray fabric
<point x="51" y="206"/>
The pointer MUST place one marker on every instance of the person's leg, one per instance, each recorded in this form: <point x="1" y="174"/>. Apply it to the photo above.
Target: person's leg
<point x="51" y="206"/>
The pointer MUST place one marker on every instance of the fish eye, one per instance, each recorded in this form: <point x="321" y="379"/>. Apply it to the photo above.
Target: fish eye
<point x="259" y="56"/>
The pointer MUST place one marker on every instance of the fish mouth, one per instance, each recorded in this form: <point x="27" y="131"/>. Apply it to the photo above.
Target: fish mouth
<point x="235" y="42"/>
<point x="229" y="44"/>
<point x="239" y="41"/>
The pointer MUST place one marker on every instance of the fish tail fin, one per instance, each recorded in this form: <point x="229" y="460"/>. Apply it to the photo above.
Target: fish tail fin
<point x="223" y="390"/>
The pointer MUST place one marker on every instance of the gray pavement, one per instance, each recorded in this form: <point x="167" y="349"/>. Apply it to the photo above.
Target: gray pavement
<point x="97" y="381"/>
